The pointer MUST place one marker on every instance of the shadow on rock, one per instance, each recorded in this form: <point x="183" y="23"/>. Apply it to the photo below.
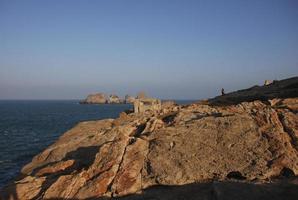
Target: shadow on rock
<point x="82" y="157"/>
<point x="284" y="189"/>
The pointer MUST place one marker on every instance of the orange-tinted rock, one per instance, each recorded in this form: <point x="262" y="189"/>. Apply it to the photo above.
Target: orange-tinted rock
<point x="129" y="178"/>
<point x="27" y="188"/>
<point x="225" y="139"/>
<point x="97" y="98"/>
<point x="291" y="103"/>
<point x="57" y="167"/>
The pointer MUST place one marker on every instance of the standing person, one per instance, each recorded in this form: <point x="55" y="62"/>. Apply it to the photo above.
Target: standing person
<point x="223" y="91"/>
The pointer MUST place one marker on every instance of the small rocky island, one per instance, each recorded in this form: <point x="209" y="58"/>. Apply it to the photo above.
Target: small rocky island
<point x="241" y="145"/>
<point x="100" y="98"/>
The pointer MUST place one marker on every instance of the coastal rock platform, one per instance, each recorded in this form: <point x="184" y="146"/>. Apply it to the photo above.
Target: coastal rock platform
<point x="224" y="148"/>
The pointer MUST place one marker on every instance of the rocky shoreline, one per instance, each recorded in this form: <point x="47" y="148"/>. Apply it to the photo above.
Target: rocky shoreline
<point x="242" y="145"/>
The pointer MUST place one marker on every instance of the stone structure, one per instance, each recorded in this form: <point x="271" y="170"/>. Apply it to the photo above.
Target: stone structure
<point x="145" y="104"/>
<point x="268" y="82"/>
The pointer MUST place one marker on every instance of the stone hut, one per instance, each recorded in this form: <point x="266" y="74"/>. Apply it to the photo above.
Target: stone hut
<point x="146" y="104"/>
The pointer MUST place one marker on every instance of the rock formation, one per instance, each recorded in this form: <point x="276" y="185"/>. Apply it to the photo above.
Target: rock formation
<point x="168" y="104"/>
<point x="224" y="148"/>
<point x="142" y="95"/>
<point x="129" y="99"/>
<point x="114" y="99"/>
<point x="146" y="104"/>
<point x="277" y="89"/>
<point x="100" y="98"/>
<point x="97" y="98"/>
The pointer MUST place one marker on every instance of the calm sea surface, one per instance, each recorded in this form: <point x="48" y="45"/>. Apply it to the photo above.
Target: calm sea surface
<point x="28" y="127"/>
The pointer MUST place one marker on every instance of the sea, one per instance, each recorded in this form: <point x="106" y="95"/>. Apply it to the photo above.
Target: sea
<point x="29" y="126"/>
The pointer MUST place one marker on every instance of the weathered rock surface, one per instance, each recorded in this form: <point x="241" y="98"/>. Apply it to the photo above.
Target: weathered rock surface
<point x="129" y="99"/>
<point x="100" y="98"/>
<point x="246" y="150"/>
<point x="114" y="99"/>
<point x="97" y="98"/>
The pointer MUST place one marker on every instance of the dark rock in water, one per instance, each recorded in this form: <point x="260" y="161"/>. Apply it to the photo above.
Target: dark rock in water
<point x="238" y="150"/>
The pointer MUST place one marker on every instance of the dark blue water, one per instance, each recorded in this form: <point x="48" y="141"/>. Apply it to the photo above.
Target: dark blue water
<point x="28" y="127"/>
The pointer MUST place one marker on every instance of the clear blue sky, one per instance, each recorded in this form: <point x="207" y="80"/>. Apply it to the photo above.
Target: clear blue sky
<point x="65" y="49"/>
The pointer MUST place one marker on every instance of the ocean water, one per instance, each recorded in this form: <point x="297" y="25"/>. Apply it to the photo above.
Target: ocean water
<point x="27" y="127"/>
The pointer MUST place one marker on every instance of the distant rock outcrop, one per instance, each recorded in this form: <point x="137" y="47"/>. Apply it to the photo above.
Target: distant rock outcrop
<point x="225" y="148"/>
<point x="98" y="98"/>
<point x="129" y="99"/>
<point x="114" y="99"/>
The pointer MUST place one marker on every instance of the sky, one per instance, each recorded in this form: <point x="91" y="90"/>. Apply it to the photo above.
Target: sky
<point x="172" y="49"/>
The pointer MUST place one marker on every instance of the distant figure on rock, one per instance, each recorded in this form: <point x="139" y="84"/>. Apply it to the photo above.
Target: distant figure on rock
<point x="223" y="91"/>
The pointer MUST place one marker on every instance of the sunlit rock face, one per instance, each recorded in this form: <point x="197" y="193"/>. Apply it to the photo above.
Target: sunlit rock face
<point x="98" y="98"/>
<point x="223" y="148"/>
<point x="129" y="99"/>
<point x="114" y="99"/>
